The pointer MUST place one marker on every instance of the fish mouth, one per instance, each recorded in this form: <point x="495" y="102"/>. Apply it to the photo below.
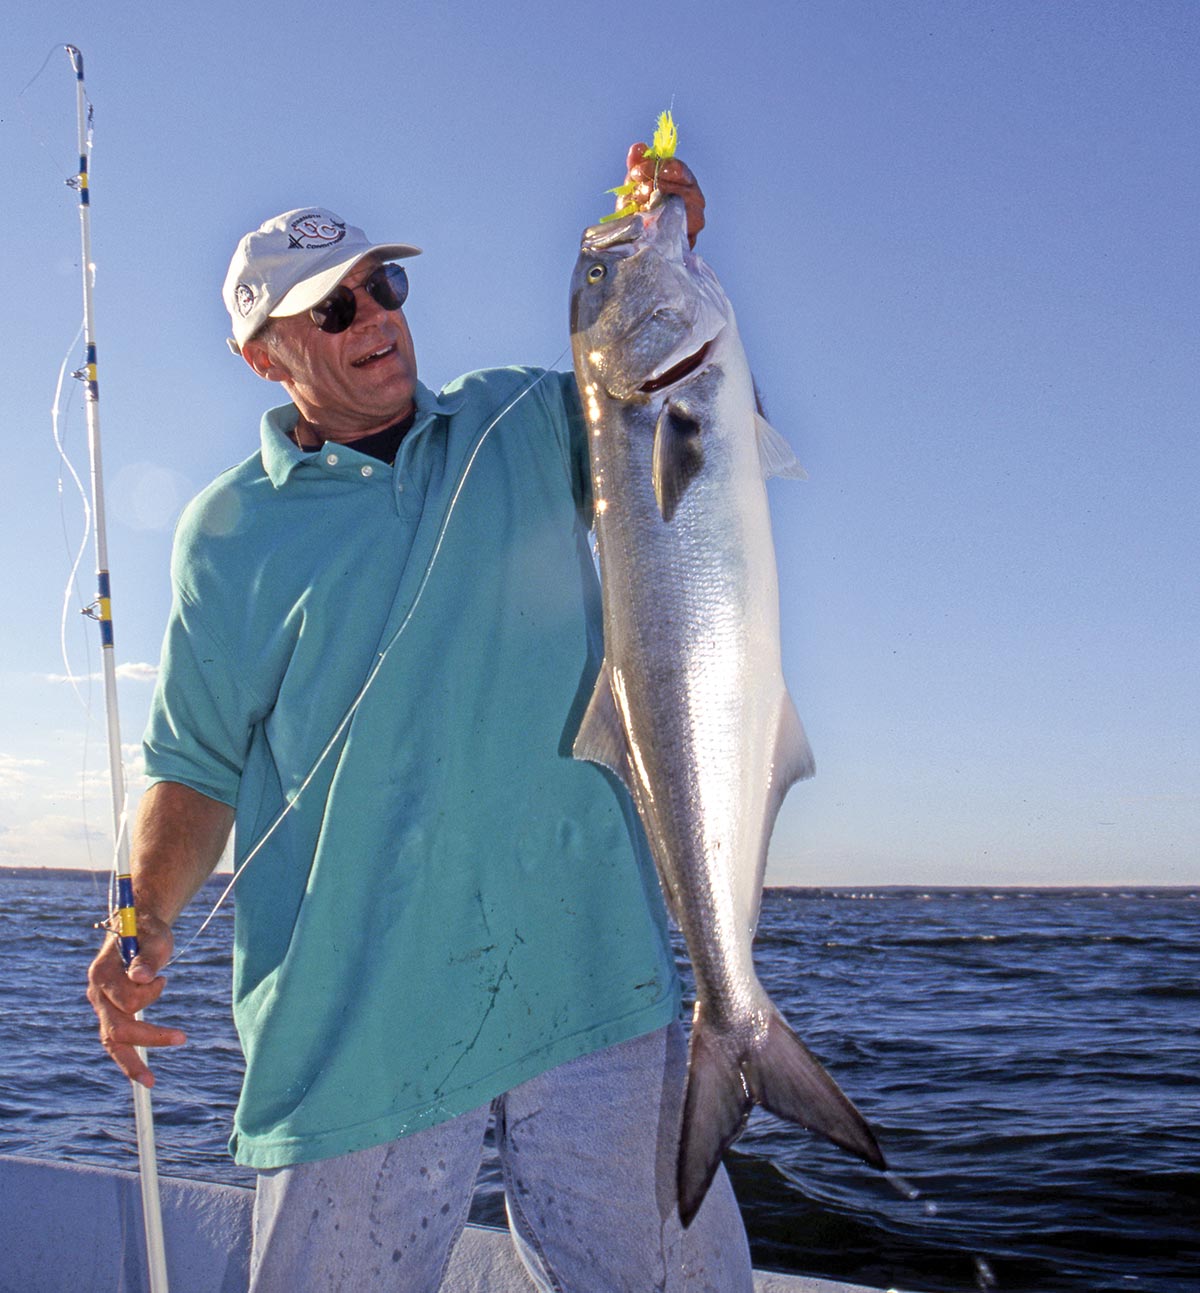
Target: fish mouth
<point x="677" y="372"/>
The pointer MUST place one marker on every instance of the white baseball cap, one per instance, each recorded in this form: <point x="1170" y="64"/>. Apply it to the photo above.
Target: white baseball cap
<point x="290" y="263"/>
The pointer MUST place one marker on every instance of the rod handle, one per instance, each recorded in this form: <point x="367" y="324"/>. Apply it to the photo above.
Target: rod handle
<point x="126" y="919"/>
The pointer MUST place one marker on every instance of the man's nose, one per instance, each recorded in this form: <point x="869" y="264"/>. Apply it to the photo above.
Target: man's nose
<point x="366" y="307"/>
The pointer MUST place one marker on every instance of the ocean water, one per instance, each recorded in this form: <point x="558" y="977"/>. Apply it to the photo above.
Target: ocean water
<point x="1029" y="1059"/>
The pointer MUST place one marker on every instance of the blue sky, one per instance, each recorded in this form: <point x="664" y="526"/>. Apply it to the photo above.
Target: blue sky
<point x="961" y="241"/>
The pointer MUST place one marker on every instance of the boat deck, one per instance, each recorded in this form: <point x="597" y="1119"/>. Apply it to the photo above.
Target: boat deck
<point x="74" y="1229"/>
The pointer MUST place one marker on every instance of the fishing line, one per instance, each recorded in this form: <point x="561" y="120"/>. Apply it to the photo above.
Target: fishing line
<point x="71" y="590"/>
<point x="72" y="577"/>
<point x="64" y="173"/>
<point x="101" y="612"/>
<point x="373" y="673"/>
<point x="112" y="924"/>
<point x="294" y="799"/>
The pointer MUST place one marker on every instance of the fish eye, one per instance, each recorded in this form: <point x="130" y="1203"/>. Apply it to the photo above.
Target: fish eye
<point x="596" y="273"/>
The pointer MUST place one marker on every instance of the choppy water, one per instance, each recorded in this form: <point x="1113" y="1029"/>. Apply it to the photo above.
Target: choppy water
<point x="1031" y="1061"/>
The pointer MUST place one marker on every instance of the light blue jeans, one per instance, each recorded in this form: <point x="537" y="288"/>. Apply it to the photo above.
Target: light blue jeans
<point x="588" y="1153"/>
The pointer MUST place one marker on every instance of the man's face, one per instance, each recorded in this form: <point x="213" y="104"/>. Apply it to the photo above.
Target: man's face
<point x="348" y="383"/>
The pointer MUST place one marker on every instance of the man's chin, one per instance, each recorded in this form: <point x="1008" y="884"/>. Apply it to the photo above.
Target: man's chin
<point x="394" y="399"/>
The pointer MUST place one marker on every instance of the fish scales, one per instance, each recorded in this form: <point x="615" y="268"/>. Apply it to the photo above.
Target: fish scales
<point x="691" y="709"/>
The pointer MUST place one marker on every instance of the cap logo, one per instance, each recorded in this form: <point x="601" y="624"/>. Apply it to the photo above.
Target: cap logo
<point x="244" y="297"/>
<point x="315" y="231"/>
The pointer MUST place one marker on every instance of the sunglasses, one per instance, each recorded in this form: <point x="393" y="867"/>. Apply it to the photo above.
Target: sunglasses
<point x="387" y="286"/>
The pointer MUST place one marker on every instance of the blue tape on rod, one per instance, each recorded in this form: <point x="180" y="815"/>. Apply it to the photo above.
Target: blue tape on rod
<point x="126" y="919"/>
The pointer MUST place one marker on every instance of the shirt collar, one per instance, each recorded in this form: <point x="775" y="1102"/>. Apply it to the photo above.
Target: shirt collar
<point x="281" y="455"/>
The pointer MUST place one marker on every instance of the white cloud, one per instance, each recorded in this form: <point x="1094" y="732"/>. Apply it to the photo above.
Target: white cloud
<point x="138" y="672"/>
<point x="27" y="782"/>
<point x="94" y="781"/>
<point x="16" y="774"/>
<point x="54" y="840"/>
<point x="132" y="671"/>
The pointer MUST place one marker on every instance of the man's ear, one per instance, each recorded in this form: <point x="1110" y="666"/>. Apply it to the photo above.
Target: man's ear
<point x="258" y="354"/>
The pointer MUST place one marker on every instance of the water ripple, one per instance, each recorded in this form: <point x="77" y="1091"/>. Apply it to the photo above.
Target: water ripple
<point x="1030" y="1059"/>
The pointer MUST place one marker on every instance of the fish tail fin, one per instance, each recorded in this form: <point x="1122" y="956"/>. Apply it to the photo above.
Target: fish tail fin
<point x="789" y="1081"/>
<point x="715" y="1109"/>
<point x="782" y="1075"/>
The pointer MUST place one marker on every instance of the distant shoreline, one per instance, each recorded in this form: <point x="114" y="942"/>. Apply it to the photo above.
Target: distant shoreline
<point x="39" y="873"/>
<point x="76" y="873"/>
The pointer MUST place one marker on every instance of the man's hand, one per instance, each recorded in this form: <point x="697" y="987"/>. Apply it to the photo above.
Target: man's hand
<point x="673" y="176"/>
<point x="118" y="995"/>
<point x="177" y="841"/>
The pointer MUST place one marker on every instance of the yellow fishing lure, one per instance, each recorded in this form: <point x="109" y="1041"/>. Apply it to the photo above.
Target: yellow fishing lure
<point x="662" y="149"/>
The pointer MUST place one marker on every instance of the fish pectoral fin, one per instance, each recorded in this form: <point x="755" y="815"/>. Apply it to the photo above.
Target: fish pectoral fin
<point x="601" y="737"/>
<point x="775" y="455"/>
<point x="677" y="458"/>
<point x="787" y="1079"/>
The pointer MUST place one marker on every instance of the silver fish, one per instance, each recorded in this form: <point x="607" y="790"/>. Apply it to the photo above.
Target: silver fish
<point x="690" y="709"/>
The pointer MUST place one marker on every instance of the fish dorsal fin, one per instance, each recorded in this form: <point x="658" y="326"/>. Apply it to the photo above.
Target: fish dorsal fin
<point x="678" y="457"/>
<point x="775" y="455"/>
<point x="791" y="761"/>
<point x="601" y="737"/>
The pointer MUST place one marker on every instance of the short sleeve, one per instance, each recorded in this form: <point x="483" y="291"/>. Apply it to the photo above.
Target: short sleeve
<point x="200" y="721"/>
<point x="204" y="710"/>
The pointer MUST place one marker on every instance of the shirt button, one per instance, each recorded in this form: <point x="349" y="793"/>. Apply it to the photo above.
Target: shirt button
<point x="331" y="459"/>
<point x="400" y="488"/>
<point x="368" y="470"/>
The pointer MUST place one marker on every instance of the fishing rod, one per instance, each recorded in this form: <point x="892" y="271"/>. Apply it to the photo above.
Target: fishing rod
<point x="101" y="612"/>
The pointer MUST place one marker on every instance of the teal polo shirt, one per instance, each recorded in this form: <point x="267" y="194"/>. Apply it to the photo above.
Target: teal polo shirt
<point x="453" y="904"/>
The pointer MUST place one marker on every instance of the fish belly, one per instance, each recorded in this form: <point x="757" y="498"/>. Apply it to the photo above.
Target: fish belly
<point x="692" y="644"/>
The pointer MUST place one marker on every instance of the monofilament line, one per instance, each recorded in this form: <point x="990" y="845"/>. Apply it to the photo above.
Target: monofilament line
<point x="336" y="736"/>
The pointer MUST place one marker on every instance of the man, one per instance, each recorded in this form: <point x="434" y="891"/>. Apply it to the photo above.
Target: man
<point x="384" y="631"/>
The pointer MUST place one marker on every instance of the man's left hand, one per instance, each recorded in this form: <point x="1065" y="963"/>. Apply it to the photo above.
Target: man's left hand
<point x="673" y="176"/>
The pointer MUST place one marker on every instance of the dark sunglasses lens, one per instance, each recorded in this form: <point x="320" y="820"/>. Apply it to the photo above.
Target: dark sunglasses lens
<point x="336" y="312"/>
<point x="389" y="286"/>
